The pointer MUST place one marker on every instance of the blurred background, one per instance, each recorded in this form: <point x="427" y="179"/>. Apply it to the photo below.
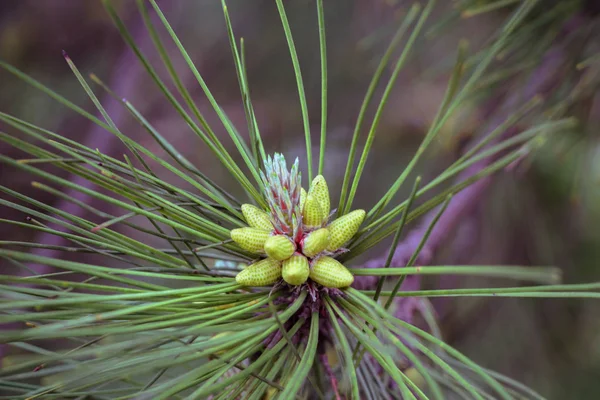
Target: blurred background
<point x="543" y="212"/>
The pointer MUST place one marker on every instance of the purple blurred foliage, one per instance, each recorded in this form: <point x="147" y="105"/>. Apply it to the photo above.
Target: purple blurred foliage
<point x="124" y="81"/>
<point x="465" y="204"/>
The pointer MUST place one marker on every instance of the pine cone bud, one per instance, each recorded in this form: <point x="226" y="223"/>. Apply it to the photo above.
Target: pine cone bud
<point x="295" y="270"/>
<point x="250" y="239"/>
<point x="302" y="198"/>
<point x="318" y="189"/>
<point x="315" y="242"/>
<point x="312" y="214"/>
<point x="331" y="273"/>
<point x="256" y="218"/>
<point x="279" y="247"/>
<point x="344" y="228"/>
<point x="262" y="273"/>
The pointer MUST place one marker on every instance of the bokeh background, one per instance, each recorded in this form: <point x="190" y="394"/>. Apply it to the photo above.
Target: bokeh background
<point x="544" y="212"/>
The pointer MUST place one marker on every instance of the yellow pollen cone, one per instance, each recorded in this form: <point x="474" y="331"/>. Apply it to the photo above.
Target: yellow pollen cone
<point x="279" y="247"/>
<point x="315" y="242"/>
<point x="256" y="218"/>
<point x="312" y="216"/>
<point x="250" y="239"/>
<point x="295" y="270"/>
<point x="331" y="273"/>
<point x="262" y="273"/>
<point x="302" y="198"/>
<point x="344" y="228"/>
<point x="318" y="189"/>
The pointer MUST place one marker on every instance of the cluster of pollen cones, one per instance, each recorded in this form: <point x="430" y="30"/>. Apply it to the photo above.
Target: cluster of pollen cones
<point x="295" y="235"/>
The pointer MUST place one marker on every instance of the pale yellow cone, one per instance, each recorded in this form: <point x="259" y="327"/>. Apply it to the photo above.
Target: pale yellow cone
<point x="295" y="270"/>
<point x="302" y="198"/>
<point x="315" y="242"/>
<point x="262" y="273"/>
<point x="256" y="218"/>
<point x="312" y="216"/>
<point x="344" y="228"/>
<point x="279" y="247"/>
<point x="318" y="189"/>
<point x="250" y="239"/>
<point x="331" y="273"/>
